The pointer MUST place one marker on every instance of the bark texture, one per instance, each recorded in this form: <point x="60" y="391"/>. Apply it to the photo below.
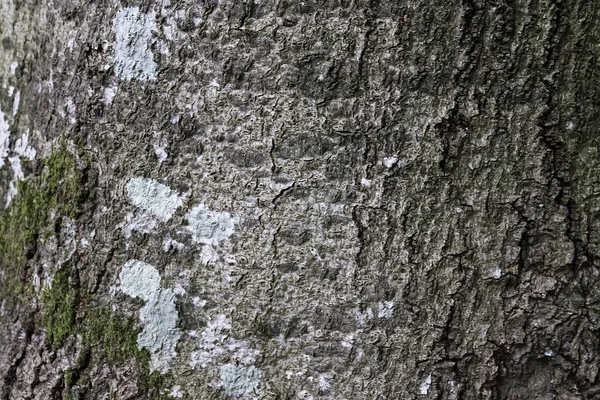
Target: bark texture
<point x="300" y="200"/>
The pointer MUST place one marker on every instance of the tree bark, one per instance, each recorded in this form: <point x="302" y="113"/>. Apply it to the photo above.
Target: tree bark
<point x="299" y="200"/>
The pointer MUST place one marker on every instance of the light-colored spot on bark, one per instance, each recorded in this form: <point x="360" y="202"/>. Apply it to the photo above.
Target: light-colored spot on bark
<point x="215" y="342"/>
<point x="23" y="149"/>
<point x="109" y="95"/>
<point x="497" y="273"/>
<point x="15" y="163"/>
<point x="390" y="161"/>
<point x="239" y="380"/>
<point x="133" y="32"/>
<point x="168" y="243"/>
<point x="209" y="227"/>
<point x="425" y="385"/>
<point x="4" y="138"/>
<point x="139" y="280"/>
<point x="176" y="392"/>
<point x="16" y="102"/>
<point x="13" y="67"/>
<point x="385" y="309"/>
<point x="549" y="353"/>
<point x="154" y="197"/>
<point x="160" y="152"/>
<point x="365" y="182"/>
<point x="159" y="315"/>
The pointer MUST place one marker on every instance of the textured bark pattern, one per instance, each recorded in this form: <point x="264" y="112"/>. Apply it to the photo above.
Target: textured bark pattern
<point x="414" y="184"/>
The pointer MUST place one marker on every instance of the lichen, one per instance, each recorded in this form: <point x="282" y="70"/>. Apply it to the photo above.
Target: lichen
<point x="153" y="197"/>
<point x="239" y="380"/>
<point x="158" y="316"/>
<point x="133" y="57"/>
<point x="209" y="227"/>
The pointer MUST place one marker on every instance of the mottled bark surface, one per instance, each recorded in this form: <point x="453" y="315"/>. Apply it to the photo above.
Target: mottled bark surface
<point x="299" y="199"/>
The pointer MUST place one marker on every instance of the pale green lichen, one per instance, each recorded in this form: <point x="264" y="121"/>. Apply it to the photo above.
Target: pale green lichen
<point x="158" y="316"/>
<point x="209" y="227"/>
<point x="153" y="197"/>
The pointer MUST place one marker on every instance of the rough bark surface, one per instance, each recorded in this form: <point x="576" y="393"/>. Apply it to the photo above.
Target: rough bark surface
<point x="299" y="200"/>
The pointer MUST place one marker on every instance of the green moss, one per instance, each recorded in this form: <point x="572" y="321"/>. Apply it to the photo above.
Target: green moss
<point x="113" y="335"/>
<point x="59" y="308"/>
<point x="58" y="188"/>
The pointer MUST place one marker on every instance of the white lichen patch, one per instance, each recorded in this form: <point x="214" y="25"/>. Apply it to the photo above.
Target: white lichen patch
<point x="209" y="227"/>
<point x="21" y="149"/>
<point x="15" y="163"/>
<point x="215" y="342"/>
<point x="139" y="280"/>
<point x="4" y="138"/>
<point x="16" y="102"/>
<point x="389" y="162"/>
<point x="424" y="388"/>
<point x="159" y="315"/>
<point x="176" y="392"/>
<point x="160" y="152"/>
<point x="133" y="57"/>
<point x="153" y="197"/>
<point x="239" y="380"/>
<point x="109" y="95"/>
<point x="385" y="309"/>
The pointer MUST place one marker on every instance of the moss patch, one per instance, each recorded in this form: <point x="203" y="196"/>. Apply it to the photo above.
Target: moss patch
<point x="58" y="188"/>
<point x="59" y="308"/>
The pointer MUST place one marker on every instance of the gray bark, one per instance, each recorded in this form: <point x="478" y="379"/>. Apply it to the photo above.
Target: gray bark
<point x="300" y="200"/>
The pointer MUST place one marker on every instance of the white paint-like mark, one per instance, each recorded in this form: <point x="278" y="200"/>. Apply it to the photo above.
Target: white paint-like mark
<point x="176" y="392"/>
<point x="109" y="95"/>
<point x="154" y="197"/>
<point x="4" y="138"/>
<point x="549" y="353"/>
<point x="239" y="380"/>
<point x="497" y="273"/>
<point x="13" y="67"/>
<point x="459" y="210"/>
<point x="16" y="102"/>
<point x="209" y="227"/>
<point x="425" y="385"/>
<point x="385" y="309"/>
<point x="11" y="90"/>
<point x="160" y="152"/>
<point x="133" y="33"/>
<point x="159" y="315"/>
<point x="390" y="161"/>
<point x="570" y="125"/>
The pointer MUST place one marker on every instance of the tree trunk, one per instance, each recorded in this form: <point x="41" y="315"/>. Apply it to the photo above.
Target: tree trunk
<point x="299" y="200"/>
